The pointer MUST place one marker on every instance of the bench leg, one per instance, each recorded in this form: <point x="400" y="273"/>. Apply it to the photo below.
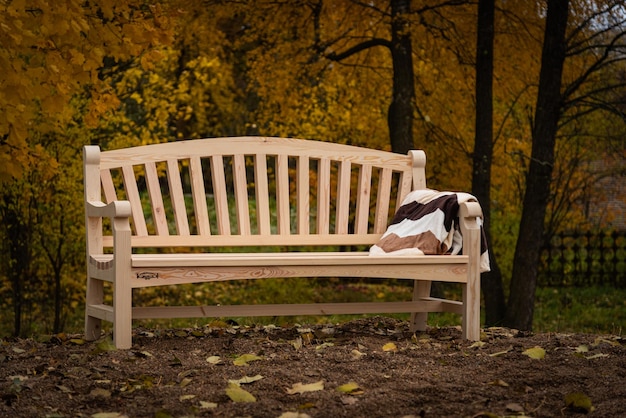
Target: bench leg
<point x="122" y="314"/>
<point x="471" y="312"/>
<point x="94" y="296"/>
<point x="419" y="320"/>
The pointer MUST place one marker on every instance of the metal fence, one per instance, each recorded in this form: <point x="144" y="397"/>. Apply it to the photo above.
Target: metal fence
<point x="584" y="259"/>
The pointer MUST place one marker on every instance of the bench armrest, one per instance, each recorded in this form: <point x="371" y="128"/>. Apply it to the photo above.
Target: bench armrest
<point x="116" y="209"/>
<point x="470" y="210"/>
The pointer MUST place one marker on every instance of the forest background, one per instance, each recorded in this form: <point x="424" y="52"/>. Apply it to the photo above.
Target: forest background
<point x="522" y="102"/>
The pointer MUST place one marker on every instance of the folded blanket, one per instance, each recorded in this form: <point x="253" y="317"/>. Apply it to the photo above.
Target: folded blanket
<point x="427" y="222"/>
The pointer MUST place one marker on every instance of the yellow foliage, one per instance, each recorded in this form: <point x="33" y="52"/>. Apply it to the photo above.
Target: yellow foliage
<point x="51" y="51"/>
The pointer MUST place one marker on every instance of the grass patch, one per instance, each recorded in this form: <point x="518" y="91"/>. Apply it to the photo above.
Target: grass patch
<point x="595" y="310"/>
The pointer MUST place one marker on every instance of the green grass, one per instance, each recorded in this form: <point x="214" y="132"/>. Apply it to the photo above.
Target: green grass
<point x="596" y="310"/>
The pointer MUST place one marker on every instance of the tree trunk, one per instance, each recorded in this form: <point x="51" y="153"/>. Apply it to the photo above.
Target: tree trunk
<point x="495" y="306"/>
<point x="520" y="307"/>
<point x="400" y="114"/>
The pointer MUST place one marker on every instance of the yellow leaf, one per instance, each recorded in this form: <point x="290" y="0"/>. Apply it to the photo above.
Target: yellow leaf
<point x="237" y="394"/>
<point x="246" y="379"/>
<point x="390" y="347"/>
<point x="499" y="353"/>
<point x="579" y="402"/>
<point x="290" y="414"/>
<point x="311" y="387"/>
<point x="356" y="354"/>
<point x="599" y="355"/>
<point x="214" y="360"/>
<point x="244" y="359"/>
<point x="536" y="353"/>
<point x="351" y="388"/>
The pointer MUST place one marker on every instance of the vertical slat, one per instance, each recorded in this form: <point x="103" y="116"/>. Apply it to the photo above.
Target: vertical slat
<point x="343" y="198"/>
<point x="132" y="193"/>
<point x="198" y="194"/>
<point x="382" y="200"/>
<point x="303" y="195"/>
<point x="107" y="186"/>
<point x="323" y="196"/>
<point x="364" y="191"/>
<point x="282" y="194"/>
<point x="262" y="194"/>
<point x="241" y="194"/>
<point x="404" y="187"/>
<point x="219" y="190"/>
<point x="178" y="197"/>
<point x="156" y="199"/>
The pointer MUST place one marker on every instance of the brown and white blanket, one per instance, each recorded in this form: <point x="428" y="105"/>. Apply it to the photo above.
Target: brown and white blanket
<point x="427" y="222"/>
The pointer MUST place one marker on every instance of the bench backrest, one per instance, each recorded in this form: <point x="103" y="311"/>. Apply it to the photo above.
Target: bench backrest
<point x="253" y="191"/>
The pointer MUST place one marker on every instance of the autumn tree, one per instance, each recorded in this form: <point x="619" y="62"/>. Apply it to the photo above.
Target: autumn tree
<point x="482" y="155"/>
<point x="52" y="53"/>
<point x="555" y="100"/>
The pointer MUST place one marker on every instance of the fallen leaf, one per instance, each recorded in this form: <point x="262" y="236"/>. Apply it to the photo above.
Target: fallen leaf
<point x="246" y="379"/>
<point x="163" y="413"/>
<point x="499" y="382"/>
<point x="390" y="347"/>
<point x="307" y="405"/>
<point x="64" y="389"/>
<point x="600" y="340"/>
<point x="351" y="388"/>
<point x="356" y="354"/>
<point x="582" y="349"/>
<point x="310" y="387"/>
<point x="536" y="353"/>
<point x="185" y="382"/>
<point x="599" y="355"/>
<point x="244" y="359"/>
<point x="105" y="345"/>
<point x="515" y="407"/>
<point x="100" y="393"/>
<point x="237" y="394"/>
<point x="478" y="344"/>
<point x="500" y="353"/>
<point x="578" y="402"/>
<point x="324" y="345"/>
<point x="294" y="415"/>
<point x="186" y="397"/>
<point x="214" y="360"/>
<point x="78" y="341"/>
<point x="207" y="405"/>
<point x="297" y="343"/>
<point x="108" y="415"/>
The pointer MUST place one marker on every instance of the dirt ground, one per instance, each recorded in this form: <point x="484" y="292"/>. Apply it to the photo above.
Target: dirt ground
<point x="370" y="367"/>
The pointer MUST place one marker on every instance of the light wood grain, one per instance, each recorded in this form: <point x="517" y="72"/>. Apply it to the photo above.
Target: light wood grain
<point x="337" y="178"/>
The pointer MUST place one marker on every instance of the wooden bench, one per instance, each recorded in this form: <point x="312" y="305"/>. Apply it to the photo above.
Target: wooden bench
<point x="280" y="207"/>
